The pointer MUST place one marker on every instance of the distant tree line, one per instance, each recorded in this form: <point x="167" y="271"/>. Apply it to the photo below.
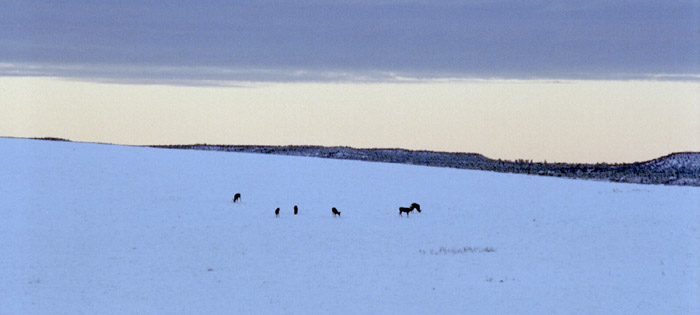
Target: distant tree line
<point x="674" y="169"/>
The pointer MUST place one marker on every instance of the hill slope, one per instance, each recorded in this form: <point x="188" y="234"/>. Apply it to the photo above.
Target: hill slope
<point x="680" y="169"/>
<point x="99" y="229"/>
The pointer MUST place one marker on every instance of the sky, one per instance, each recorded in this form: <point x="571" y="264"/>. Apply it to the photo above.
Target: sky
<point x="584" y="81"/>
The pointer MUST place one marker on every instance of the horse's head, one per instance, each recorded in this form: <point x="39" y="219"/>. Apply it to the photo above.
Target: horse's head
<point x="415" y="206"/>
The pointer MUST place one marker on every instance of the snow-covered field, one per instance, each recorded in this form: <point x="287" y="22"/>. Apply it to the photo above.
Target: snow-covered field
<point x="100" y="229"/>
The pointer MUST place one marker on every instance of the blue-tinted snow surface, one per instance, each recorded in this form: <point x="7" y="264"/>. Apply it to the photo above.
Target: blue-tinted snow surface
<point x="99" y="229"/>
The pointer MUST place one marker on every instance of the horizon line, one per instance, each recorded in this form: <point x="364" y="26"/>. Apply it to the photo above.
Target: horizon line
<point x="59" y="139"/>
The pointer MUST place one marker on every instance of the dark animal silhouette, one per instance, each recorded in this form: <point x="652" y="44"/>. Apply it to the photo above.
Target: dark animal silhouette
<point x="409" y="209"/>
<point x="296" y="210"/>
<point x="236" y="197"/>
<point x="335" y="212"/>
<point x="277" y="212"/>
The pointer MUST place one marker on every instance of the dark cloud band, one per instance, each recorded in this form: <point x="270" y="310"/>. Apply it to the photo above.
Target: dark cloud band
<point x="352" y="40"/>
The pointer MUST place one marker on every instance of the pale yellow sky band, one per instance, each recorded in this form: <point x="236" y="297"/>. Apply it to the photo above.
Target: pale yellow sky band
<point x="564" y="121"/>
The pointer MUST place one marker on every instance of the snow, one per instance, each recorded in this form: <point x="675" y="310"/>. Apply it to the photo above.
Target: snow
<point x="688" y="160"/>
<point x="101" y="229"/>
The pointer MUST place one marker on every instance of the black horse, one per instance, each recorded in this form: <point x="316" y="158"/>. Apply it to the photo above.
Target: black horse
<point x="335" y="212"/>
<point x="409" y="209"/>
<point x="277" y="212"/>
<point x="296" y="210"/>
<point x="236" y="197"/>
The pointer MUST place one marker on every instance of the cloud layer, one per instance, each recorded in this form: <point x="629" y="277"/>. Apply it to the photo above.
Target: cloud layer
<point x="350" y="40"/>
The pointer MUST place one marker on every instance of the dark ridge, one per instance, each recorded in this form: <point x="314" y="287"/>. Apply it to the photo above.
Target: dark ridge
<point x="51" y="139"/>
<point x="679" y="169"/>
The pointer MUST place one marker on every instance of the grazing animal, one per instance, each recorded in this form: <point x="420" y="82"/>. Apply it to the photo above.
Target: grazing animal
<point x="277" y="212"/>
<point x="335" y="212"/>
<point x="296" y="210"/>
<point x="236" y="197"/>
<point x="409" y="209"/>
